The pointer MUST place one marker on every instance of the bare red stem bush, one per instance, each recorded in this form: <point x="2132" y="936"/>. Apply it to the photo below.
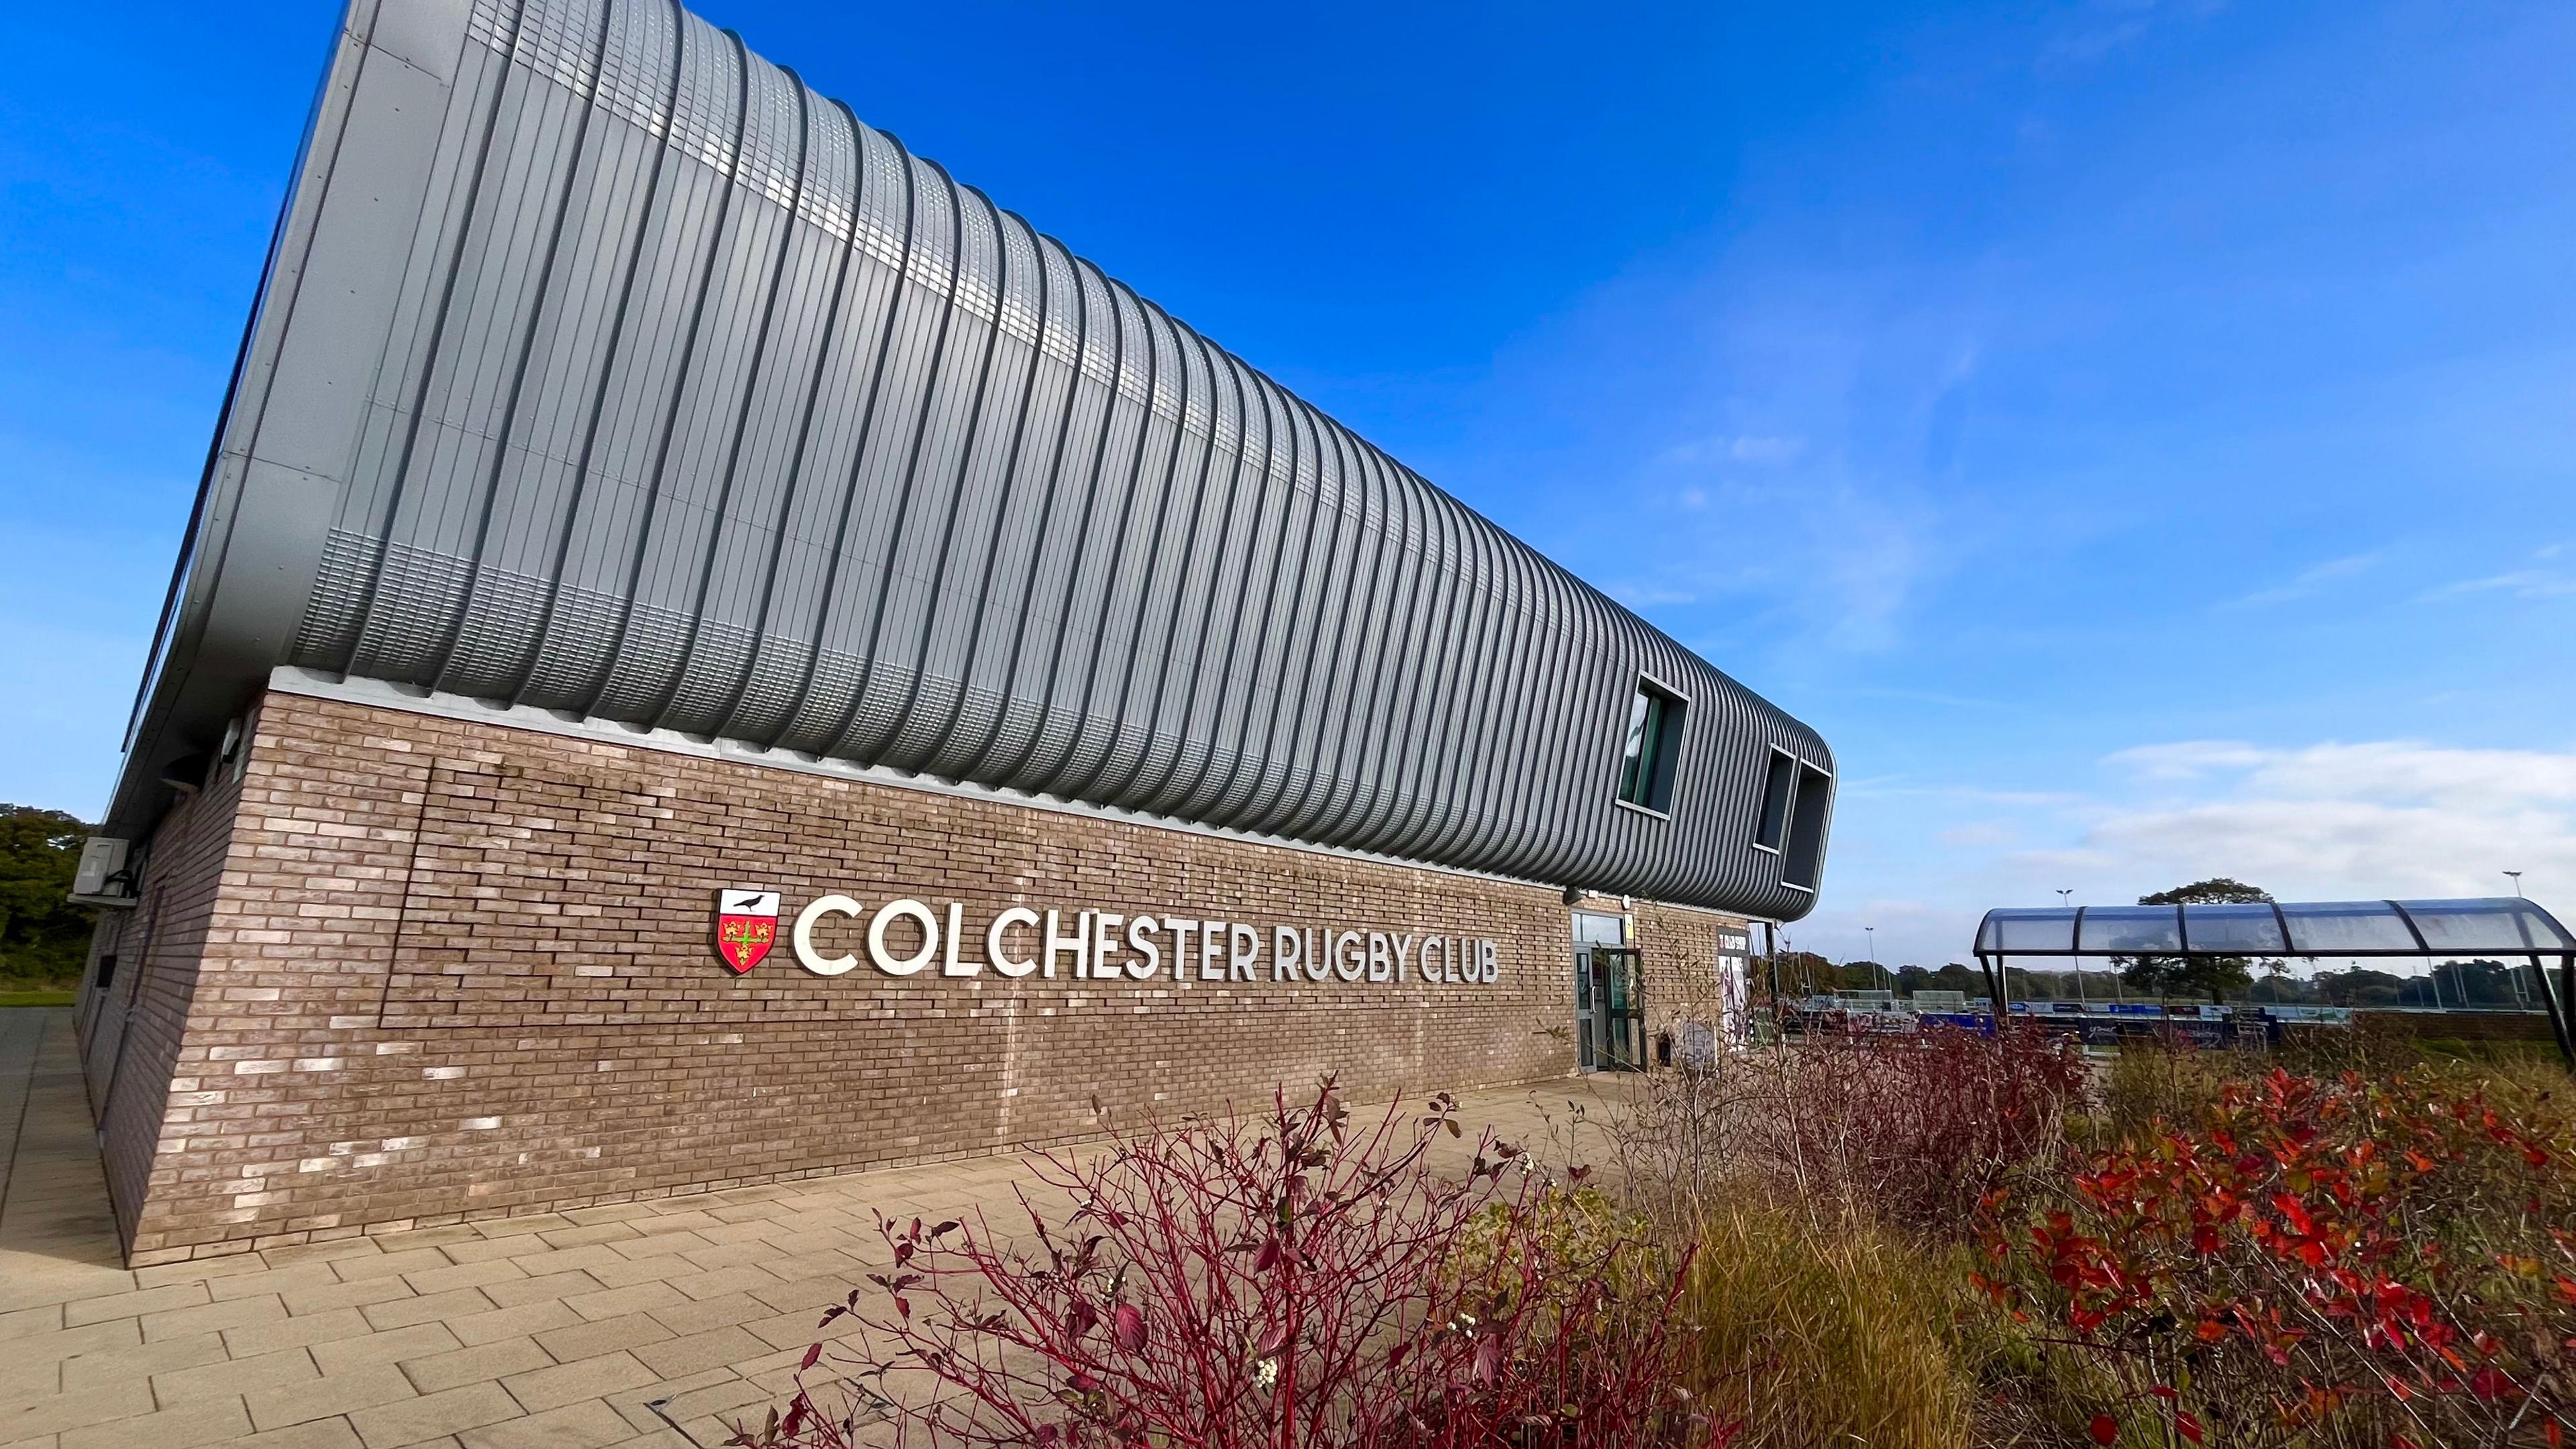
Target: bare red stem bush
<point x="1291" y="1281"/>
<point x="1912" y="1130"/>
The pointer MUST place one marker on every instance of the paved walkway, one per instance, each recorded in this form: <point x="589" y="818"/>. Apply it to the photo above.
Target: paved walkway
<point x="547" y="1332"/>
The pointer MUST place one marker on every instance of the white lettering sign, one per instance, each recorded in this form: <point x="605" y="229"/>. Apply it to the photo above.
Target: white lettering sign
<point x="904" y="936"/>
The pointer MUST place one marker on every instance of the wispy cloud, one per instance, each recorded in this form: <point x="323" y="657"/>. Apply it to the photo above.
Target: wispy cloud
<point x="1927" y="696"/>
<point x="1640" y="597"/>
<point x="1894" y="787"/>
<point x="2185" y="760"/>
<point x="1757" y="450"/>
<point x="2516" y="583"/>
<point x="1979" y="833"/>
<point x="2307" y="583"/>
<point x="2106" y="26"/>
<point x="1846" y="557"/>
<point x="2092" y="42"/>
<point x="1766" y="451"/>
<point x="2381" y="769"/>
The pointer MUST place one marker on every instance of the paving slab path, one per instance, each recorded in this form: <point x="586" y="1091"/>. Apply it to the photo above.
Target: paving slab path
<point x="553" y="1331"/>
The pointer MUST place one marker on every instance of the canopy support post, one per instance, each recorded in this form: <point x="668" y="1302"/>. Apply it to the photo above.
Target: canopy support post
<point x="1771" y="965"/>
<point x="2561" y="1002"/>
<point x="1994" y="993"/>
<point x="2557" y="1014"/>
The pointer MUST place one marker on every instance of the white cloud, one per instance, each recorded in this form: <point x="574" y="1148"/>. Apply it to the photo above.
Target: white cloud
<point x="2330" y="821"/>
<point x="2369" y="819"/>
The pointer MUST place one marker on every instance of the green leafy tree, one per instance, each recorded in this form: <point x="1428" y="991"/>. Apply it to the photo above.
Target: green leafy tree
<point x="2165" y="976"/>
<point x="1804" y="973"/>
<point x="2360" y="986"/>
<point x="43" y="937"/>
<point x="1863" y="975"/>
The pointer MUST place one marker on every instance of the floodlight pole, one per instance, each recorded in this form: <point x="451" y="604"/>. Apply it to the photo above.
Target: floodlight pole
<point x="2082" y="1006"/>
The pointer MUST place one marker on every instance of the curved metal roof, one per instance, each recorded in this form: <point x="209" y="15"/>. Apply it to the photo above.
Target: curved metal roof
<point x="2490" y="926"/>
<point x="603" y="367"/>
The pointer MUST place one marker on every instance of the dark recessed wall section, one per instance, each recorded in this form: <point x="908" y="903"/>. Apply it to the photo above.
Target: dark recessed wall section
<point x="1779" y="787"/>
<point x="1805" y="856"/>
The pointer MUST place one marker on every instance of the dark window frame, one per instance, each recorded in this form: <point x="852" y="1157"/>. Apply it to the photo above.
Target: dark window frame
<point x="1779" y="795"/>
<point x="1802" y="857"/>
<point x="1646" y="773"/>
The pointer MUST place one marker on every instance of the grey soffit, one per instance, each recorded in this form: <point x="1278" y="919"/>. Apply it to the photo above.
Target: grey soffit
<point x="602" y="367"/>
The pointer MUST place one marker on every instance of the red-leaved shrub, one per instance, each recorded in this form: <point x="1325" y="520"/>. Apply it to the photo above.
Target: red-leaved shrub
<point x="1287" y="1282"/>
<point x="2352" y="1260"/>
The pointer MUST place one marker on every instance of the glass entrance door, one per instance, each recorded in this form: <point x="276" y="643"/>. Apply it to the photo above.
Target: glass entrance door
<point x="1592" y="929"/>
<point x="1618" y="1010"/>
<point x="1609" y="1010"/>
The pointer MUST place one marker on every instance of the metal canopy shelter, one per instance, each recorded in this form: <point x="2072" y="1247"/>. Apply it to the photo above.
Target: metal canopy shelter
<point x="2421" y="930"/>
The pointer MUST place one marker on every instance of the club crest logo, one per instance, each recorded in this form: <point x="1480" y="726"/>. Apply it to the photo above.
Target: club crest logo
<point x="746" y="927"/>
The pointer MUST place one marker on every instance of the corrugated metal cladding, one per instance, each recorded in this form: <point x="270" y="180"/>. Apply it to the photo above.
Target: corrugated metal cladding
<point x="701" y="405"/>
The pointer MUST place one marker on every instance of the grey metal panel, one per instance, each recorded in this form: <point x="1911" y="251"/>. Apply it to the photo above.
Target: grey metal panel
<point x="924" y="643"/>
<point x="639" y="382"/>
<point x="332" y="275"/>
<point x="1028" y="388"/>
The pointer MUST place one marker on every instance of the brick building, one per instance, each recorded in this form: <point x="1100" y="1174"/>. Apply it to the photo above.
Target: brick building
<point x="707" y="652"/>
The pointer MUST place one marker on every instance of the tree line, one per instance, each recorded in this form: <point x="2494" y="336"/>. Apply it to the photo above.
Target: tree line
<point x="2479" y="983"/>
<point x="44" y="938"/>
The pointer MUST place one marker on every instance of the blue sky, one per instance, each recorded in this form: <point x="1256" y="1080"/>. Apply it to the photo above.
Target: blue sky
<point x="2138" y="434"/>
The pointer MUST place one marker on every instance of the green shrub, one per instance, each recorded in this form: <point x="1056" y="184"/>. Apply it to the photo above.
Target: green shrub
<point x="44" y="938"/>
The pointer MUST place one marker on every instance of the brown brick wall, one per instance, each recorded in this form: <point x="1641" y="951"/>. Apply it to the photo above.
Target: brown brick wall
<point x="1677" y="950"/>
<point x="460" y="969"/>
<point x="132" y="1029"/>
<point x="1680" y="962"/>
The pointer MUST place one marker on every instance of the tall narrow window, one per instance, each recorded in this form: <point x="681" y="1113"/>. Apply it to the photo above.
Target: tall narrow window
<point x="1779" y="787"/>
<point x="1654" y="739"/>
<point x="1806" y="849"/>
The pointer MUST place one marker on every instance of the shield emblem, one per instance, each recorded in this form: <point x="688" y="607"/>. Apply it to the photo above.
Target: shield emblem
<point x="746" y="927"/>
